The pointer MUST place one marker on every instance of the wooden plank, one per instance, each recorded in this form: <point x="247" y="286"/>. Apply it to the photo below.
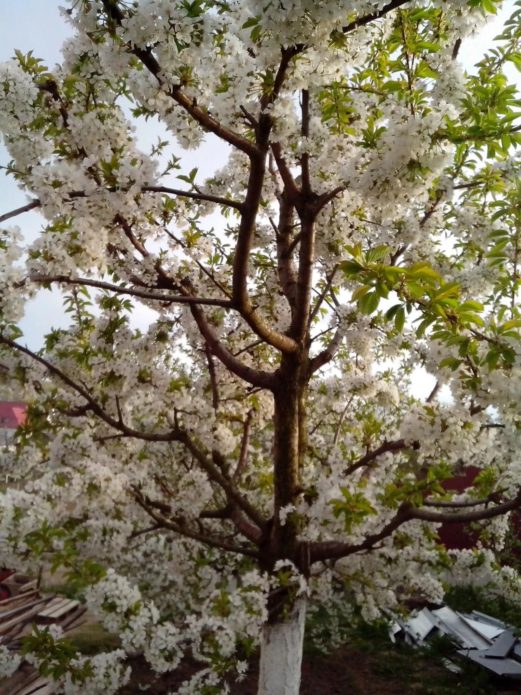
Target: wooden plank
<point x="74" y="619"/>
<point x="25" y="628"/>
<point x="70" y="622"/>
<point x="46" y="689"/>
<point x="30" y="676"/>
<point x="4" y="615"/>
<point x="16" y="599"/>
<point x="29" y="586"/>
<point x="20" y="586"/>
<point x="22" y="618"/>
<point x="62" y="610"/>
<point x="19" y="679"/>
<point x="15" y="634"/>
<point x="39" y="687"/>
<point x="55" y="602"/>
<point x="58" y="607"/>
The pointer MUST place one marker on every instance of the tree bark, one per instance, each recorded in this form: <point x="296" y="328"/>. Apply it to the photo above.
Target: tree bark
<point x="281" y="534"/>
<point x="281" y="653"/>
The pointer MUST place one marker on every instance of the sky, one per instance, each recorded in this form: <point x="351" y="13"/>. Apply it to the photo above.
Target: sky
<point x="39" y="26"/>
<point x="31" y="25"/>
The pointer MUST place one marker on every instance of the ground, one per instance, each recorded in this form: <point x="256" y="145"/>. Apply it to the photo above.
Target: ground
<point x="351" y="671"/>
<point x="367" y="664"/>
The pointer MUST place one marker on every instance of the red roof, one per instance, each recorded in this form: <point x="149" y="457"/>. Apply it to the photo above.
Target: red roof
<point x="12" y="415"/>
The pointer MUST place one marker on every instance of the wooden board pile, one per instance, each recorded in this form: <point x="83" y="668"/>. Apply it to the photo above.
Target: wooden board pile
<point x="18" y="613"/>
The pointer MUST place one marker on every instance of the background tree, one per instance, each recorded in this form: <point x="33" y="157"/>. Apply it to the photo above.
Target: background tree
<point x="256" y="448"/>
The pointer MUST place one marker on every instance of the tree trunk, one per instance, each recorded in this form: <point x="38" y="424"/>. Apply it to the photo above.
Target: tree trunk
<point x="281" y="653"/>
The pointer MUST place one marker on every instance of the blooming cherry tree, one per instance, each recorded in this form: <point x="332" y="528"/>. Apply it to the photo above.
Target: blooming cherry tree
<point x="254" y="452"/>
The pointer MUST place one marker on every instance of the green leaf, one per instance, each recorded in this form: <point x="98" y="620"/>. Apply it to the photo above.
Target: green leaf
<point x="513" y="323"/>
<point x="391" y="312"/>
<point x="253" y="21"/>
<point x="451" y="362"/>
<point x="515" y="58"/>
<point x="369" y="303"/>
<point x="360" y="292"/>
<point x="468" y="317"/>
<point x="378" y="253"/>
<point x="472" y="306"/>
<point x="351" y="268"/>
<point x="399" y="319"/>
<point x="425" y="272"/>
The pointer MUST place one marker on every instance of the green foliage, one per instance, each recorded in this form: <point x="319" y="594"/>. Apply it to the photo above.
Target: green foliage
<point x="434" y="305"/>
<point x="92" y="639"/>
<point x="409" y="488"/>
<point x="55" y="657"/>
<point x="354" y="507"/>
<point x="63" y="545"/>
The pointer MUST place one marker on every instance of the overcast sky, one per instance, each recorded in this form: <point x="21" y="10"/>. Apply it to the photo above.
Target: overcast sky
<point x="37" y="25"/>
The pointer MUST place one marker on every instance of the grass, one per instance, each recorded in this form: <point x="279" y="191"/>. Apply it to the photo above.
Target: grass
<point x="92" y="639"/>
<point x="420" y="670"/>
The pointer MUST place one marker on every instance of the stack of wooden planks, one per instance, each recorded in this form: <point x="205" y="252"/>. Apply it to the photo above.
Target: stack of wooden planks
<point x="17" y="616"/>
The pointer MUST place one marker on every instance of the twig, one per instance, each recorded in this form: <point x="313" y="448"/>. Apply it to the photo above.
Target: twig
<point x="25" y="208"/>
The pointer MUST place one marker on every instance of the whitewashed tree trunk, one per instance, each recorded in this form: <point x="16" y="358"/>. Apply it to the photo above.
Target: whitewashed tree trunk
<point x="281" y="653"/>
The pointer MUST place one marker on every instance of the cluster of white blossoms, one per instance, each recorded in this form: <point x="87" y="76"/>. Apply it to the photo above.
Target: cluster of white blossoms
<point x="227" y="614"/>
<point x="109" y="674"/>
<point x="478" y="568"/>
<point x="154" y="447"/>
<point x="11" y="276"/>
<point x="120" y="605"/>
<point x="100" y="674"/>
<point x="9" y="662"/>
<point x="18" y="96"/>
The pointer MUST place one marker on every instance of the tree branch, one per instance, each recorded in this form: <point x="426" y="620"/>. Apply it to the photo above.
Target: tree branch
<point x="322" y="295"/>
<point x="339" y="424"/>
<point x="115" y="423"/>
<point x="189" y="104"/>
<point x="284" y="171"/>
<point x="25" y="208"/>
<point x="432" y="395"/>
<point x="334" y="550"/>
<point x="494" y="497"/>
<point x="241" y="297"/>
<point x="328" y="353"/>
<point x="299" y="328"/>
<point x="285" y="266"/>
<point x="201" y="267"/>
<point x="143" y="294"/>
<point x="384" y="448"/>
<point x="368" y="18"/>
<point x="304" y="160"/>
<point x="207" y="197"/>
<point x="466" y="517"/>
<point x="176" y="435"/>
<point x="243" y="456"/>
<point x="182" y="530"/>
<point x="287" y="54"/>
<point x="225" y="483"/>
<point x="213" y="378"/>
<point x="256" y="377"/>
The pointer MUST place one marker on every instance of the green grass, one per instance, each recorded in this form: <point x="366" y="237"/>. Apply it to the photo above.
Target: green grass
<point x="92" y="638"/>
